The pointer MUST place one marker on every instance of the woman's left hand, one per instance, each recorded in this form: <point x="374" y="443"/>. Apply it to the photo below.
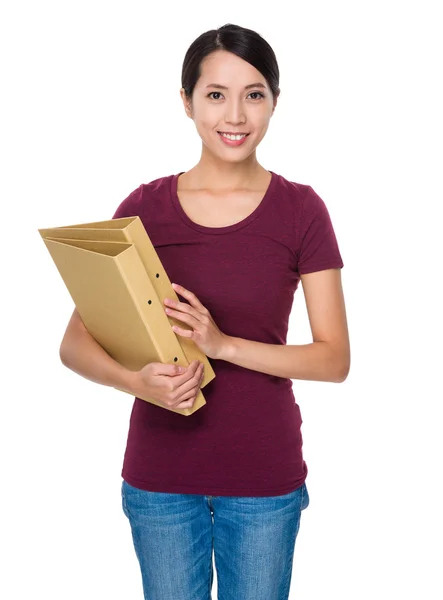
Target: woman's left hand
<point x="204" y="332"/>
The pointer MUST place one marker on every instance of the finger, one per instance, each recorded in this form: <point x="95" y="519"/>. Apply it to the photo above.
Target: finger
<point x="190" y="370"/>
<point x="190" y="402"/>
<point x="181" y="378"/>
<point x="193" y="320"/>
<point x="189" y="388"/>
<point x="190" y="296"/>
<point x="191" y="394"/>
<point x="185" y="317"/>
<point x="178" y="309"/>
<point x="188" y="398"/>
<point x="185" y="404"/>
<point x="183" y="332"/>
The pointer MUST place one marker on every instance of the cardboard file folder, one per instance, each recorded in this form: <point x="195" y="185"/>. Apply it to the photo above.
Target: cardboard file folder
<point x="118" y="285"/>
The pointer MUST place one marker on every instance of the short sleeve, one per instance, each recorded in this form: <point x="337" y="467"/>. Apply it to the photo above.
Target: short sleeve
<point x="130" y="206"/>
<point x="317" y="244"/>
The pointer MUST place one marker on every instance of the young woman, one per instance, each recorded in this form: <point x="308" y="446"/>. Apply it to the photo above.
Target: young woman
<point x="236" y="239"/>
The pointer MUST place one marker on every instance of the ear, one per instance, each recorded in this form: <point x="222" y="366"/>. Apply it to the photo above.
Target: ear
<point x="275" y="102"/>
<point x="186" y="103"/>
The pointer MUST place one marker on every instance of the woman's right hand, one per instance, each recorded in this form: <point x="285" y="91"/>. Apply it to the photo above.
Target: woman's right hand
<point x="165" y="383"/>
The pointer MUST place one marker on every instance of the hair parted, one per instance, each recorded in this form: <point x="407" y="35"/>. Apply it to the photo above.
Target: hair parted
<point x="245" y="43"/>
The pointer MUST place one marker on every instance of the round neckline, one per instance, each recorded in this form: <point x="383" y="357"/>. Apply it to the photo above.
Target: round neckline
<point x="226" y="228"/>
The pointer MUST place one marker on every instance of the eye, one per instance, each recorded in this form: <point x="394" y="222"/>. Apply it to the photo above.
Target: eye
<point x="209" y="95"/>
<point x="259" y="93"/>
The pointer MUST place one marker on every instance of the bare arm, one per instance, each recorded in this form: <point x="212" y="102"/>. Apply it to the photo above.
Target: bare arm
<point x="81" y="353"/>
<point x="327" y="358"/>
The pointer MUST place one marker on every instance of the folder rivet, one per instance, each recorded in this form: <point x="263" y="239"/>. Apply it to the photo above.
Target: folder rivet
<point x="157" y="275"/>
<point x="149" y="301"/>
<point x="175" y="359"/>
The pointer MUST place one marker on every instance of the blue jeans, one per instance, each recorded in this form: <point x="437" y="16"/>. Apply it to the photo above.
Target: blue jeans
<point x="253" y="540"/>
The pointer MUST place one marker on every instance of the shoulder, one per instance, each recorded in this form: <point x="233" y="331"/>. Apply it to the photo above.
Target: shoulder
<point x="298" y="193"/>
<point x="133" y="203"/>
<point x="303" y="196"/>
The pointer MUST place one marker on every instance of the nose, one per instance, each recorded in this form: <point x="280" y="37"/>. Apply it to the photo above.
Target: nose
<point x="235" y="113"/>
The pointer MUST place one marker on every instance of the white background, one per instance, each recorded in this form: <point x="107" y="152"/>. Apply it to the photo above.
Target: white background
<point x="91" y="109"/>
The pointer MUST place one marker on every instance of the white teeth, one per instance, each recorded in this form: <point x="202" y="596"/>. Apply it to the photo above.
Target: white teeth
<point x="233" y="137"/>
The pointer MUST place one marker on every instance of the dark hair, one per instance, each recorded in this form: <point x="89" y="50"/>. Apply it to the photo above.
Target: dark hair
<point x="245" y="43"/>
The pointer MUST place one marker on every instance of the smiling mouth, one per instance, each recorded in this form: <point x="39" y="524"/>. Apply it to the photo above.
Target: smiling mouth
<point x="235" y="141"/>
<point x="229" y="133"/>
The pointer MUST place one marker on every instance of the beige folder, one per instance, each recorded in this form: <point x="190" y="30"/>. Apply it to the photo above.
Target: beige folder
<point x="118" y="285"/>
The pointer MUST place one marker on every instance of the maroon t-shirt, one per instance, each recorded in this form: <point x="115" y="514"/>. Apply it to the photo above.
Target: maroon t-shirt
<point x="246" y="440"/>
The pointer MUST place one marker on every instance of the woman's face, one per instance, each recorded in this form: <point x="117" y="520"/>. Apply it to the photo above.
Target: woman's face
<point x="235" y="108"/>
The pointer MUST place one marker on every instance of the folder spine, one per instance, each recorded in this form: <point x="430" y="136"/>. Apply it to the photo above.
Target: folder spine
<point x="135" y="298"/>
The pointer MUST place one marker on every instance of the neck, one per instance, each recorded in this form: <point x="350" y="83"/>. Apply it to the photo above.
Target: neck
<point x="223" y="176"/>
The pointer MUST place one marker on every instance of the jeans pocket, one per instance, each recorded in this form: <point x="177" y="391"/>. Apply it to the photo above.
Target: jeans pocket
<point x="124" y="504"/>
<point x="305" y="497"/>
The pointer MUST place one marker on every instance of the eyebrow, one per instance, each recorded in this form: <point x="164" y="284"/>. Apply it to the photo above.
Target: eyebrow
<point x="247" y="87"/>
